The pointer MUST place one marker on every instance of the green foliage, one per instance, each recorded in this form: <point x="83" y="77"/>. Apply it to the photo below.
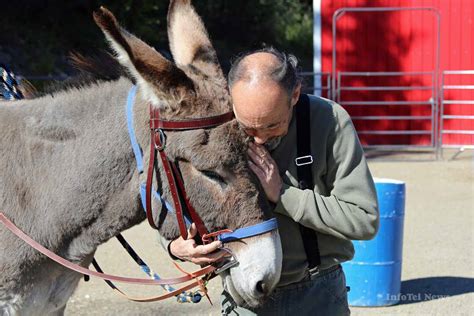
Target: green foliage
<point x="36" y="36"/>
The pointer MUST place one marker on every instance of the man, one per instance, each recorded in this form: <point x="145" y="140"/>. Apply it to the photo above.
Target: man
<point x="339" y="206"/>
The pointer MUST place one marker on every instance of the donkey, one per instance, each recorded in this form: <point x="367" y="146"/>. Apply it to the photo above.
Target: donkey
<point x="68" y="176"/>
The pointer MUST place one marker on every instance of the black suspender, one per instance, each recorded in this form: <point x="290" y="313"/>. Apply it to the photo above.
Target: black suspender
<point x="305" y="174"/>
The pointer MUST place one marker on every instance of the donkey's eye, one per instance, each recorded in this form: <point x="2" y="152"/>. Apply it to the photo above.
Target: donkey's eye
<point x="214" y="176"/>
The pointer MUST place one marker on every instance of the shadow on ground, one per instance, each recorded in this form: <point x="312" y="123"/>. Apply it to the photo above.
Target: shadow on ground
<point x="433" y="288"/>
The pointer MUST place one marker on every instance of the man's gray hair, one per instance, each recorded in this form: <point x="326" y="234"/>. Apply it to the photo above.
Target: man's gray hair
<point x="284" y="72"/>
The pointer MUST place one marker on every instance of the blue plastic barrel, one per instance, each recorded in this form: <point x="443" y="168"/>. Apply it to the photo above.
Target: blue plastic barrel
<point x="374" y="275"/>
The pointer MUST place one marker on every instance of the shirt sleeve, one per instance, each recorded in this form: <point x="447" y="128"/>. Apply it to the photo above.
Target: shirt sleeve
<point x="165" y="243"/>
<point x="350" y="211"/>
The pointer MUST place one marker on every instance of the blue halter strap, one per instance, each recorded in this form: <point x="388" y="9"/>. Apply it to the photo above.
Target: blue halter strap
<point x="248" y="231"/>
<point x="139" y="156"/>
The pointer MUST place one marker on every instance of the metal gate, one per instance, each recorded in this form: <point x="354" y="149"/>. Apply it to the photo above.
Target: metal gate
<point x="451" y="110"/>
<point x="400" y="124"/>
<point x="395" y="112"/>
<point x="317" y="83"/>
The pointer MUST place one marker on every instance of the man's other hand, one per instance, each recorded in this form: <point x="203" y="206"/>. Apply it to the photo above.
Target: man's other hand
<point x="266" y="169"/>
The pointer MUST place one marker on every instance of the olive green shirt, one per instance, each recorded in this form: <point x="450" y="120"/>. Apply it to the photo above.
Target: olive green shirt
<point x="343" y="204"/>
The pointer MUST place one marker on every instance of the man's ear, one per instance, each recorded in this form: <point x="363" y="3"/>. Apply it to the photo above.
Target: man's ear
<point x="155" y="75"/>
<point x="296" y="94"/>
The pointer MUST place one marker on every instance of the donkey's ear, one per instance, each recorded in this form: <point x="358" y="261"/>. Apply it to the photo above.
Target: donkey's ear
<point x="156" y="75"/>
<point x="189" y="41"/>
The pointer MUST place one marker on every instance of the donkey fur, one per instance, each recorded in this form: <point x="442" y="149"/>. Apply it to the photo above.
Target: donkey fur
<point x="67" y="172"/>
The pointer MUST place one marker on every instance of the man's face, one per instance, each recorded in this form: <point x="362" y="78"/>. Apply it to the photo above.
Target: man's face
<point x="263" y="109"/>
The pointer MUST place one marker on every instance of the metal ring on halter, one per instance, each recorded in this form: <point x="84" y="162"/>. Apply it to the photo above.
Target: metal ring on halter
<point x="162" y="136"/>
<point x="227" y="265"/>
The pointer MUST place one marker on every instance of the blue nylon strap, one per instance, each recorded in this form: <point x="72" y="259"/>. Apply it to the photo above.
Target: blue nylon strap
<point x="131" y="131"/>
<point x="139" y="156"/>
<point x="184" y="297"/>
<point x="249" y="231"/>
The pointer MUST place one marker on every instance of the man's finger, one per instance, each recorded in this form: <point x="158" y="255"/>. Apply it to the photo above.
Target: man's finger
<point x="192" y="231"/>
<point x="260" y="160"/>
<point x="252" y="153"/>
<point x="256" y="159"/>
<point x="207" y="249"/>
<point x="258" y="171"/>
<point x="266" y="157"/>
<point x="212" y="257"/>
<point x="261" y="150"/>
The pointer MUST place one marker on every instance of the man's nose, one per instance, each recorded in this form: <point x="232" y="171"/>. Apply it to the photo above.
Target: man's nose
<point x="260" y="140"/>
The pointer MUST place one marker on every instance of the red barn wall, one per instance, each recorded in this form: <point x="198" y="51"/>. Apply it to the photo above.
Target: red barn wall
<point x="402" y="42"/>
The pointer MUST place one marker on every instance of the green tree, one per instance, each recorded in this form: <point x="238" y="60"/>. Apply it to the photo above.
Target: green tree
<point x="37" y="35"/>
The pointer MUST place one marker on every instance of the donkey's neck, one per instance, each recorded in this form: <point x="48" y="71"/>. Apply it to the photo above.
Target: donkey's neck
<point x="78" y="181"/>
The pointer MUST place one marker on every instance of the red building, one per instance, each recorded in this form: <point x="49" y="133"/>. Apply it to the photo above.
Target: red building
<point x="390" y="62"/>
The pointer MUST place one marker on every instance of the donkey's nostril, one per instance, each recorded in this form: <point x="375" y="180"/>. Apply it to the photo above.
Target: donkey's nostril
<point x="261" y="287"/>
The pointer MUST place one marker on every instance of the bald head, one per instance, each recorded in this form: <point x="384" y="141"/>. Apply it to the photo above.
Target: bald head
<point x="266" y="64"/>
<point x="264" y="88"/>
<point x="257" y="67"/>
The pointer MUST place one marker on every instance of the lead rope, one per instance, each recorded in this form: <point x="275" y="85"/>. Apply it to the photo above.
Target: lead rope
<point x="9" y="85"/>
<point x="185" y="297"/>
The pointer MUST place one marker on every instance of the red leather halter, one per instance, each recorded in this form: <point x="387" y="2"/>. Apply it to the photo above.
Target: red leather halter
<point x="158" y="143"/>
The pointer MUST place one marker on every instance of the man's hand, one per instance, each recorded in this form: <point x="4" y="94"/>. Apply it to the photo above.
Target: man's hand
<point x="266" y="169"/>
<point x="187" y="249"/>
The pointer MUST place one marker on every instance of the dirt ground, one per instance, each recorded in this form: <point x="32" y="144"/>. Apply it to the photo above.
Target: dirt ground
<point x="438" y="267"/>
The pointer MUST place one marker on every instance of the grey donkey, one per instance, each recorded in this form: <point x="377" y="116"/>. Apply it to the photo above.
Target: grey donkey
<point x="68" y="176"/>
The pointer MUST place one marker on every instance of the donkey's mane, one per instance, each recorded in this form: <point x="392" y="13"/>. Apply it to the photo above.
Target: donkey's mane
<point x="92" y="69"/>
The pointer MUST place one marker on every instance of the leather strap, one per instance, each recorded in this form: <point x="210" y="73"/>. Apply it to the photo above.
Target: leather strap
<point x="305" y="175"/>
<point x="149" y="182"/>
<point x="157" y="142"/>
<point x="178" y="207"/>
<point x="206" y="122"/>
<point x="170" y="294"/>
<point x="176" y="186"/>
<point x="75" y="267"/>
<point x="202" y="230"/>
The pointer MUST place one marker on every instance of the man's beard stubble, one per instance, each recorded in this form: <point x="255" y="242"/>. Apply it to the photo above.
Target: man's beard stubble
<point x="273" y="143"/>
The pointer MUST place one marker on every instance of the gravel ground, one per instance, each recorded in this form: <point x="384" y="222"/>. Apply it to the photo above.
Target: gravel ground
<point x="438" y="269"/>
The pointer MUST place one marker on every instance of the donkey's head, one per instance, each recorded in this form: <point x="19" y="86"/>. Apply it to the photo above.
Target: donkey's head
<point x="213" y="162"/>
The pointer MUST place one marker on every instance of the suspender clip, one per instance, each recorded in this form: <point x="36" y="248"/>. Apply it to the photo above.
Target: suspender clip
<point x="304" y="160"/>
